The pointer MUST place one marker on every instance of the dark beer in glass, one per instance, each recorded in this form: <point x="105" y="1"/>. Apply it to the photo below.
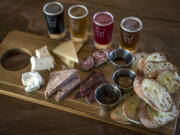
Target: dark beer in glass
<point x="54" y="16"/>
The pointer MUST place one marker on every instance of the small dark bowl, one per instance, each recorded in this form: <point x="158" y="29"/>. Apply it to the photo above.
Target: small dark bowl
<point x="104" y="90"/>
<point x="123" y="54"/>
<point x="124" y="73"/>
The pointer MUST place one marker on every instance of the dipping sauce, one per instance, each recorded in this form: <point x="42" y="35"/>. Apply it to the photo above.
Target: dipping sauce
<point x="108" y="97"/>
<point x="120" y="61"/>
<point x="125" y="82"/>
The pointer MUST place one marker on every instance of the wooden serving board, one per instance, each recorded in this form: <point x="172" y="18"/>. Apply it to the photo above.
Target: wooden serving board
<point x="10" y="82"/>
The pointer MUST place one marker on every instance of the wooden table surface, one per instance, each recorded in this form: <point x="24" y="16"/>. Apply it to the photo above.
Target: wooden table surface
<point x="161" y="29"/>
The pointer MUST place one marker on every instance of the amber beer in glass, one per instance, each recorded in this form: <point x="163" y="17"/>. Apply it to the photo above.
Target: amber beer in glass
<point x="103" y="26"/>
<point x="54" y="16"/>
<point x="78" y="15"/>
<point x="129" y="33"/>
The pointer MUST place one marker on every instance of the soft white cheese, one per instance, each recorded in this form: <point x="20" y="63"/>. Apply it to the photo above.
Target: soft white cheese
<point x="42" y="52"/>
<point x="45" y="63"/>
<point x="32" y="81"/>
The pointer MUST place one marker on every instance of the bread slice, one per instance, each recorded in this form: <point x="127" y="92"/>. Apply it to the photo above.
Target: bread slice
<point x="157" y="56"/>
<point x="153" y="119"/>
<point x="130" y="107"/>
<point x="138" y="56"/>
<point x="152" y="68"/>
<point x="153" y="94"/>
<point x="169" y="79"/>
<point x="117" y="115"/>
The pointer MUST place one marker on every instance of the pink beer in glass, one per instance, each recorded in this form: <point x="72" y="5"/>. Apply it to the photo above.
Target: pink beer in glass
<point x="103" y="26"/>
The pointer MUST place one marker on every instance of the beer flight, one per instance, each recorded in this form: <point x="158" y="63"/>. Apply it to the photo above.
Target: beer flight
<point x="141" y="82"/>
<point x="103" y="23"/>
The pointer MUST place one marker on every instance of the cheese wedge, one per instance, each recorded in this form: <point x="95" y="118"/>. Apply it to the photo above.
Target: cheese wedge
<point x="77" y="46"/>
<point x="42" y="52"/>
<point x="69" y="63"/>
<point x="67" y="50"/>
<point x="45" y="63"/>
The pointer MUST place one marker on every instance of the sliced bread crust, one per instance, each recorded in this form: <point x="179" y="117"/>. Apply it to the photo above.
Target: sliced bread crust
<point x="152" y="68"/>
<point x="130" y="107"/>
<point x="145" y="119"/>
<point x="118" y="116"/>
<point x="170" y="80"/>
<point x="157" y="57"/>
<point x="153" y="119"/>
<point x="153" y="94"/>
<point x="138" y="57"/>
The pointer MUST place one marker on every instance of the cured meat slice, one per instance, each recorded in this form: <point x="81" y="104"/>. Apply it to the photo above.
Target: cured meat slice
<point x="99" y="57"/>
<point x="87" y="63"/>
<point x="90" y="97"/>
<point x="92" y="81"/>
<point x="77" y="95"/>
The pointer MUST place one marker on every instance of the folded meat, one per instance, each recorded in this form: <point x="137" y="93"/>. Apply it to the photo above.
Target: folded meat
<point x="59" y="79"/>
<point x="96" y="59"/>
<point x="99" y="57"/>
<point x="87" y="63"/>
<point x="90" y="97"/>
<point x="93" y="80"/>
<point x="68" y="88"/>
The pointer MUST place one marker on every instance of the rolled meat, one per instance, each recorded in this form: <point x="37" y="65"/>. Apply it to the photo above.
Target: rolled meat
<point x="99" y="57"/>
<point x="87" y="63"/>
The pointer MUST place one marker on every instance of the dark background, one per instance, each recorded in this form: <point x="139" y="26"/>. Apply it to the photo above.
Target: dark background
<point x="161" y="32"/>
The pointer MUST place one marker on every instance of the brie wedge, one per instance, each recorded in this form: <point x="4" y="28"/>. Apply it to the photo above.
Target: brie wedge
<point x="42" y="52"/>
<point x="32" y="81"/>
<point x="45" y="63"/>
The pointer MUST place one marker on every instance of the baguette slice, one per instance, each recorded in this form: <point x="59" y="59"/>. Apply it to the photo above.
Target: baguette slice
<point x="157" y="56"/>
<point x="153" y="94"/>
<point x="118" y="116"/>
<point x="117" y="113"/>
<point x="138" y="57"/>
<point x="170" y="80"/>
<point x="153" y="68"/>
<point x="130" y="107"/>
<point x="154" y="119"/>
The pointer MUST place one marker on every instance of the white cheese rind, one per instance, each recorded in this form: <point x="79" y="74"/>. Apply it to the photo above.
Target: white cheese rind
<point x="32" y="81"/>
<point x="45" y="63"/>
<point x="42" y="52"/>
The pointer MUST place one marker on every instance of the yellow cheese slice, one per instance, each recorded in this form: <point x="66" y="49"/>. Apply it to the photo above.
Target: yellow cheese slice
<point x="69" y="63"/>
<point x="77" y="46"/>
<point x="67" y="50"/>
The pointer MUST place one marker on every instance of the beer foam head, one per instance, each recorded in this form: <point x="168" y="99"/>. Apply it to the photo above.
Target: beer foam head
<point x="131" y="24"/>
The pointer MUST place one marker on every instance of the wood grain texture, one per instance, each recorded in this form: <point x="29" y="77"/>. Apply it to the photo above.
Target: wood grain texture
<point x="160" y="33"/>
<point x="11" y="86"/>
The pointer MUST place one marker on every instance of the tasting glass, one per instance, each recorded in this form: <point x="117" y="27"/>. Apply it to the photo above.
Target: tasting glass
<point x="103" y="31"/>
<point x="129" y="33"/>
<point x="54" y="16"/>
<point x="78" y="15"/>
